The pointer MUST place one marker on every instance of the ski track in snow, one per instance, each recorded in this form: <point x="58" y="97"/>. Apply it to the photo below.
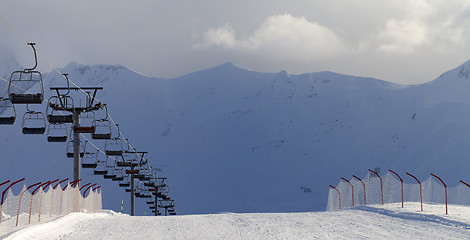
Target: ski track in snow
<point x="366" y="222"/>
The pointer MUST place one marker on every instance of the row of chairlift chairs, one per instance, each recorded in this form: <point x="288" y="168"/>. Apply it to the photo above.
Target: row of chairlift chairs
<point x="113" y="165"/>
<point x="26" y="87"/>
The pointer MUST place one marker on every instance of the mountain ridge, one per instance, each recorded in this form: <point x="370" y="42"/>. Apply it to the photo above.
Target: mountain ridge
<point x="232" y="139"/>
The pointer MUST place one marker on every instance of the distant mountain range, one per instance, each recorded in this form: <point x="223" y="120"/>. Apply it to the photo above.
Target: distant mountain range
<point x="235" y="140"/>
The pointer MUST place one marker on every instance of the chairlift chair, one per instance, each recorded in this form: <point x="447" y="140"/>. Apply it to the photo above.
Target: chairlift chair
<point x="7" y="112"/>
<point x="26" y="86"/>
<point x="69" y="149"/>
<point x="113" y="147"/>
<point x="102" y="126"/>
<point x="100" y="172"/>
<point x="125" y="182"/>
<point x="102" y="129"/>
<point x="56" y="109"/>
<point x="86" y="123"/>
<point x="34" y="123"/>
<point x="57" y="132"/>
<point x="128" y="159"/>
<point x="102" y="168"/>
<point x="149" y="184"/>
<point x="89" y="160"/>
<point x="110" y="174"/>
<point x="119" y="174"/>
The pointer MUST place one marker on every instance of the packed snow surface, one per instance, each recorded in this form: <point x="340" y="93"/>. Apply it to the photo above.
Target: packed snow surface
<point x="367" y="222"/>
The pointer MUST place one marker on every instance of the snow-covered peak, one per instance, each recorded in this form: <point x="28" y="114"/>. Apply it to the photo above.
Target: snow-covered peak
<point x="93" y="75"/>
<point x="461" y="72"/>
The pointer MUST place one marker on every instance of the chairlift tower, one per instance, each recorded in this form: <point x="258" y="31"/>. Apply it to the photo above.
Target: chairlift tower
<point x="166" y="203"/>
<point x="76" y="111"/>
<point x="160" y="182"/>
<point x="133" y="172"/>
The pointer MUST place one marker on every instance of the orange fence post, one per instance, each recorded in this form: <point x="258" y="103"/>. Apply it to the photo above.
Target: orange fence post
<point x="401" y="180"/>
<point x="364" y="185"/>
<point x="352" y="190"/>
<point x="339" y="195"/>
<point x="19" y="202"/>
<point x="3" y="194"/>
<point x="445" y="188"/>
<point x="420" y="190"/>
<point x="381" y="185"/>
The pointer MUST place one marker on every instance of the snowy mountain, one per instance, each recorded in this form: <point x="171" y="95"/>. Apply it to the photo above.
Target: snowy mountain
<point x="232" y="139"/>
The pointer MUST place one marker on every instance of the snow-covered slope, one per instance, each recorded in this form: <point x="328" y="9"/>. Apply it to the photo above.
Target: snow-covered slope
<point x="231" y="139"/>
<point x="360" y="223"/>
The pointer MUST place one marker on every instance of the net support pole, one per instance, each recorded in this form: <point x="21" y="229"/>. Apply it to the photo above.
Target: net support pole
<point x="19" y="202"/>
<point x="3" y="194"/>
<point x="445" y="188"/>
<point x="352" y="189"/>
<point x="401" y="180"/>
<point x="466" y="184"/>
<point x="364" y="185"/>
<point x="339" y="197"/>
<point x="381" y="185"/>
<point x="420" y="190"/>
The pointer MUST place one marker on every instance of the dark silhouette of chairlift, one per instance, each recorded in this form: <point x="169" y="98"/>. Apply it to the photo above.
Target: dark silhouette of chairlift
<point x="150" y="183"/>
<point x="158" y="213"/>
<point x="63" y="102"/>
<point x="166" y="203"/>
<point x="102" y="168"/>
<point x="86" y="116"/>
<point x="144" y="174"/>
<point x="119" y="172"/>
<point x="128" y="159"/>
<point x="56" y="116"/>
<point x="102" y="127"/>
<point x="7" y="112"/>
<point x="147" y="194"/>
<point x="89" y="160"/>
<point x="57" y="132"/>
<point x="69" y="148"/>
<point x="111" y="170"/>
<point x="33" y="122"/>
<point x="21" y="83"/>
<point x="113" y="146"/>
<point x="109" y="175"/>
<point x="125" y="182"/>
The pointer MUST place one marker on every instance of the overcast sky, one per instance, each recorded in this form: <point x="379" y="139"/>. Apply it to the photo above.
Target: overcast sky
<point x="403" y="41"/>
